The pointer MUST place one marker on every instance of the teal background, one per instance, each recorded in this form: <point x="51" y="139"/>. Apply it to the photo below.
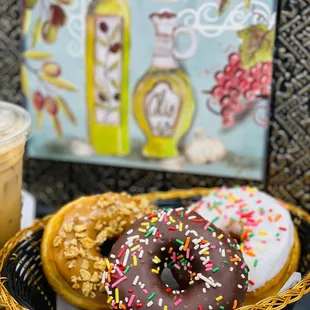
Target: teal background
<point x="246" y="140"/>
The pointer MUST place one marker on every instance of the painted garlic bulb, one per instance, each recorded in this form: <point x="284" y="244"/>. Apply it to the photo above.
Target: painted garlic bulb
<point x="81" y="148"/>
<point x="204" y="149"/>
<point x="173" y="164"/>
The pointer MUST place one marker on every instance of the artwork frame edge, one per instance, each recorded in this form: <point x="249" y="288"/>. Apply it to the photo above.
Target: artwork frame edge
<point x="287" y="168"/>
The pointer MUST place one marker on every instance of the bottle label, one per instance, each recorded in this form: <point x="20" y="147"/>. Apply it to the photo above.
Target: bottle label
<point x="162" y="109"/>
<point x="108" y="68"/>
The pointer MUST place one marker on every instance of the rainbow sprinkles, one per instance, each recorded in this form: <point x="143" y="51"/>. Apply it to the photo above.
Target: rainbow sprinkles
<point x="207" y="264"/>
<point x="261" y="223"/>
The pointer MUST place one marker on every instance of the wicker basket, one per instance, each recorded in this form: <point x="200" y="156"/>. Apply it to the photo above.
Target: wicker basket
<point x="23" y="285"/>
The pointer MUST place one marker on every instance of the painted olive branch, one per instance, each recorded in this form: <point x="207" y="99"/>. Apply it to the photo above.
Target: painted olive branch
<point x="107" y="42"/>
<point x="36" y="73"/>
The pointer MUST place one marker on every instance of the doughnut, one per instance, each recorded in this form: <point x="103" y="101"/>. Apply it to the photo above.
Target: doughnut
<point x="218" y="275"/>
<point x="73" y="257"/>
<point x="268" y="240"/>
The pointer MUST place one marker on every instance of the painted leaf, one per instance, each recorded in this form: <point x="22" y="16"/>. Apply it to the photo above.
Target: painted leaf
<point x="37" y="55"/>
<point x="99" y="63"/>
<point x="103" y="42"/>
<point x="26" y="20"/>
<point x="257" y="44"/>
<point x="115" y="84"/>
<point x="247" y="4"/>
<point x="24" y="80"/>
<point x="57" y="127"/>
<point x="113" y="66"/>
<point x="58" y="82"/>
<point x="222" y="6"/>
<point x="36" y="33"/>
<point x="67" y="2"/>
<point x="115" y="31"/>
<point x="39" y="117"/>
<point x="101" y="105"/>
<point x="103" y="95"/>
<point x="64" y="107"/>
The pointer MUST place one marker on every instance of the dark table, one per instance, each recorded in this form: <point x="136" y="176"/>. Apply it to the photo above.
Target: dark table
<point x="303" y="304"/>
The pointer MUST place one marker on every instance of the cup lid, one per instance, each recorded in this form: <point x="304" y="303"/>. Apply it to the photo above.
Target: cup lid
<point x="14" y="125"/>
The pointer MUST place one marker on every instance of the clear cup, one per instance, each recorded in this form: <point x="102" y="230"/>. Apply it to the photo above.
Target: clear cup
<point x="14" y="129"/>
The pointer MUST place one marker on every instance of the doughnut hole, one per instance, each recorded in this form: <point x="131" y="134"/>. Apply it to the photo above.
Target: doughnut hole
<point x="106" y="247"/>
<point x="181" y="277"/>
<point x="176" y="279"/>
<point x="235" y="236"/>
<point x="235" y="232"/>
<point x="168" y="278"/>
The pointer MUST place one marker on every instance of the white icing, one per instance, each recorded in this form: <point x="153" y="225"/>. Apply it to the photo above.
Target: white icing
<point x="272" y="255"/>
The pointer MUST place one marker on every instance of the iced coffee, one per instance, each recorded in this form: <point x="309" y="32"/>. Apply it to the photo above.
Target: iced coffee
<point x="14" y="129"/>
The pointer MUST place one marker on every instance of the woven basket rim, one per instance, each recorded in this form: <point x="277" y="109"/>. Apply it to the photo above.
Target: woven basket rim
<point x="271" y="303"/>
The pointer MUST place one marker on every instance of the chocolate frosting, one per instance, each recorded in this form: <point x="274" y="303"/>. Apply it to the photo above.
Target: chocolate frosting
<point x="217" y="274"/>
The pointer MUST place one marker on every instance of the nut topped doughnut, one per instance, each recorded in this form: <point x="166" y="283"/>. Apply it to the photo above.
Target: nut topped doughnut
<point x="266" y="232"/>
<point x="217" y="274"/>
<point x="72" y="259"/>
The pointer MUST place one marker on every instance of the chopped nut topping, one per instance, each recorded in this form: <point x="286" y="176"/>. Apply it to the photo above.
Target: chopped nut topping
<point x="81" y="235"/>
<point x="87" y="243"/>
<point x="68" y="227"/>
<point x="82" y="252"/>
<point x="71" y="252"/>
<point x="71" y="263"/>
<point x="74" y="279"/>
<point x="98" y="226"/>
<point x="80" y="228"/>
<point x="57" y="241"/>
<point x="85" y="264"/>
<point x="101" y="237"/>
<point x="118" y="212"/>
<point x="73" y="242"/>
<point x="92" y="258"/>
<point x="86" y="288"/>
<point x="62" y="234"/>
<point x="85" y="275"/>
<point x="95" y="277"/>
<point x="100" y="265"/>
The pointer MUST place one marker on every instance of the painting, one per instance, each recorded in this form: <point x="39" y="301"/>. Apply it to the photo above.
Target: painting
<point x="181" y="85"/>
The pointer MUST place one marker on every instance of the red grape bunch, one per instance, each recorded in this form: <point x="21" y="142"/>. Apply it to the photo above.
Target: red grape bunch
<point x="238" y="88"/>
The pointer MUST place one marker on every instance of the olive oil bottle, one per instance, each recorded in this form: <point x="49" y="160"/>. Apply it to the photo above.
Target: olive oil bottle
<point x="107" y="76"/>
<point x="163" y="100"/>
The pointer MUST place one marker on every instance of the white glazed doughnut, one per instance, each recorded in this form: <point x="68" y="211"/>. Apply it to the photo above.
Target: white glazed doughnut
<point x="263" y="225"/>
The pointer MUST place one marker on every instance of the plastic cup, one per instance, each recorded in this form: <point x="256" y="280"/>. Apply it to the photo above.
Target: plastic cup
<point x="14" y="130"/>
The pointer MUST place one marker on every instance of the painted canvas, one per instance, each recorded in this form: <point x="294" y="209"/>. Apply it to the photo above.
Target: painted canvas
<point x="178" y="85"/>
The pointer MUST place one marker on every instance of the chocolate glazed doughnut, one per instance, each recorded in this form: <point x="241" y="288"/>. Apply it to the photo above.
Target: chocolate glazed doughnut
<point x="181" y="238"/>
